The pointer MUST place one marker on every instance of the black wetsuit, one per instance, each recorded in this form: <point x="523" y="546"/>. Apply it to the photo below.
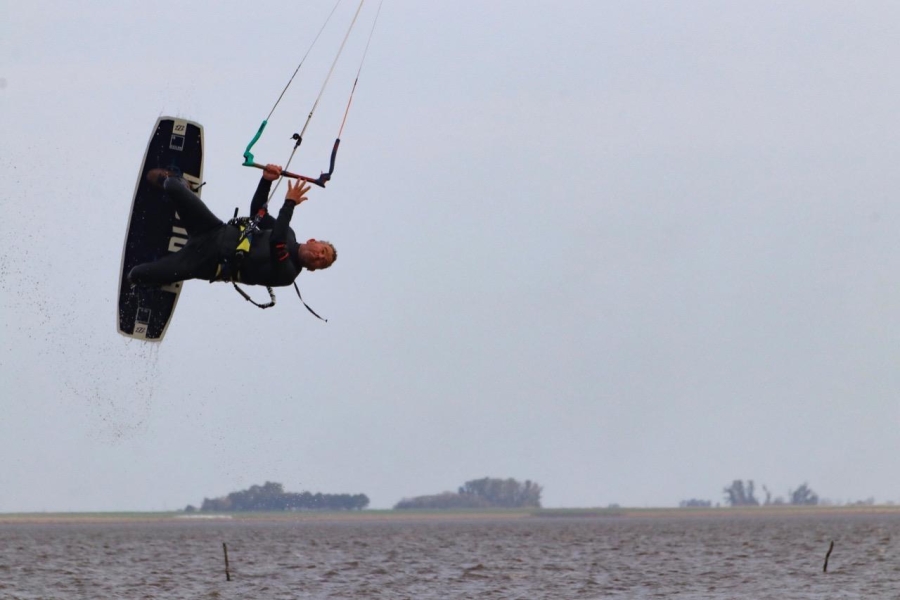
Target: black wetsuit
<point x="272" y="261"/>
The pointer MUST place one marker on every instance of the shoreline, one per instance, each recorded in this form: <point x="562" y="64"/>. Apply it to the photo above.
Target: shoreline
<point x="434" y="516"/>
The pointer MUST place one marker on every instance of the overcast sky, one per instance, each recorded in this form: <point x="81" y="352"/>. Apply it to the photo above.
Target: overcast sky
<point x="629" y="250"/>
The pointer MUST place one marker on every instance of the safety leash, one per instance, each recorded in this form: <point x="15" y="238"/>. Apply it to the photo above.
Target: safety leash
<point x="269" y="304"/>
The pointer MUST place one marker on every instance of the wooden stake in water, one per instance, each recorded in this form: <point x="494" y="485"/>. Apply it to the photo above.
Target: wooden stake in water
<point x="228" y="574"/>
<point x="830" y="548"/>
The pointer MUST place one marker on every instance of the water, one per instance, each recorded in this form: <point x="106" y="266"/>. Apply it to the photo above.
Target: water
<point x="460" y="557"/>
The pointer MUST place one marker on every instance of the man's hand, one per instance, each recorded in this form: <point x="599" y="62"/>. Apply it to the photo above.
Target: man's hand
<point x="296" y="191"/>
<point x="271" y="172"/>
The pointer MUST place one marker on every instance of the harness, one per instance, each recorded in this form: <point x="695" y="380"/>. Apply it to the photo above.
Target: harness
<point x="230" y="267"/>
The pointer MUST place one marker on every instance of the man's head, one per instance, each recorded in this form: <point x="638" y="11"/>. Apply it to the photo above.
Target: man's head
<point x="317" y="255"/>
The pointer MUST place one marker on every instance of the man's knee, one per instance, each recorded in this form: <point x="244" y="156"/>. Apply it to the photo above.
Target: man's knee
<point x="137" y="275"/>
<point x="175" y="185"/>
<point x="147" y="275"/>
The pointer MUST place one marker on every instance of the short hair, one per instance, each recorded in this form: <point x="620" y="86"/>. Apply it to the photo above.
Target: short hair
<point x="333" y="252"/>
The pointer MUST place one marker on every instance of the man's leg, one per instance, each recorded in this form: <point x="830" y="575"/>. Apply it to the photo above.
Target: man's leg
<point x="195" y="215"/>
<point x="198" y="259"/>
<point x="169" y="269"/>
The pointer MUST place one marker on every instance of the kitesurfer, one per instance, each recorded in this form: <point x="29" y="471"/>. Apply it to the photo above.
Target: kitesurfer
<point x="271" y="255"/>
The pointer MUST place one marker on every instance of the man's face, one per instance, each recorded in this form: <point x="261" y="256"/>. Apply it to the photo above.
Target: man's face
<point x="317" y="255"/>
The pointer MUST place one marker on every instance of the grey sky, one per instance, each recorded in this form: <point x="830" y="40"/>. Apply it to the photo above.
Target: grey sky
<point x="630" y="250"/>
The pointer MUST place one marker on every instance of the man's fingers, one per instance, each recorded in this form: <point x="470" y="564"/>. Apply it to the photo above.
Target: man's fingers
<point x="297" y="190"/>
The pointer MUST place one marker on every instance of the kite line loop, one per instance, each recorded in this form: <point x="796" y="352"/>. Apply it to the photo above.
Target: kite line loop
<point x="324" y="177"/>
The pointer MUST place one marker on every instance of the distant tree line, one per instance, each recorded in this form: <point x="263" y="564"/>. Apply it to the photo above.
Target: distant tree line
<point x="741" y="494"/>
<point x="695" y="503"/>
<point x="481" y="493"/>
<point x="272" y="497"/>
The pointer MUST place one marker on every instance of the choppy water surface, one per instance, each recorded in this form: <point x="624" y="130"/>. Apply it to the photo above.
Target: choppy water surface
<point x="527" y="557"/>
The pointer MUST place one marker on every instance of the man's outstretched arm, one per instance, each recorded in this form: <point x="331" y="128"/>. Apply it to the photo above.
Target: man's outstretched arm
<point x="296" y="194"/>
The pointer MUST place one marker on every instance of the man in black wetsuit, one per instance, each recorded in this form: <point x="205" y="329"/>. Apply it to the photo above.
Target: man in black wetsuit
<point x="275" y="258"/>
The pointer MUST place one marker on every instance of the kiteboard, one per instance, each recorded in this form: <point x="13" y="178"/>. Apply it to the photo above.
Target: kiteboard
<point x="154" y="228"/>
